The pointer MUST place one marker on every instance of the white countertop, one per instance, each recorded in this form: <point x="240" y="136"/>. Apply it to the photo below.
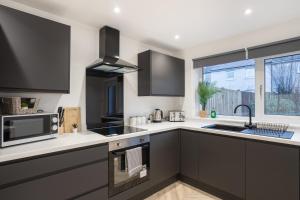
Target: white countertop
<point x="87" y="138"/>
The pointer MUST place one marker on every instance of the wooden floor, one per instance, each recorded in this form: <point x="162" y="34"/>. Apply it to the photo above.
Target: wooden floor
<point x="181" y="191"/>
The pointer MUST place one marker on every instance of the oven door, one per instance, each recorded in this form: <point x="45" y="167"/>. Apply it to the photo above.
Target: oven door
<point x="23" y="129"/>
<point x="119" y="179"/>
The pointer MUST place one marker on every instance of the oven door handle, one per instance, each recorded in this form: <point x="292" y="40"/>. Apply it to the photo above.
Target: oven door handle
<point x="119" y="153"/>
<point x="123" y="152"/>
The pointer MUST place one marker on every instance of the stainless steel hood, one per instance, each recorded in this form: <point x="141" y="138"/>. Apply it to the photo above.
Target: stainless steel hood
<point x="109" y="61"/>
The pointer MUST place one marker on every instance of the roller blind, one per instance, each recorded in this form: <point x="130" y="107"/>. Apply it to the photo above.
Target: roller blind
<point x="274" y="48"/>
<point x="220" y="58"/>
<point x="279" y="47"/>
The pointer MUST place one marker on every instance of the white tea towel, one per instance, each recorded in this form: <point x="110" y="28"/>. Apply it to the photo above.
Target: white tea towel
<point x="134" y="160"/>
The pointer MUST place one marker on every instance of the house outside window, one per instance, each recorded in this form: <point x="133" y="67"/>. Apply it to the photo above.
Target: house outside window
<point x="230" y="75"/>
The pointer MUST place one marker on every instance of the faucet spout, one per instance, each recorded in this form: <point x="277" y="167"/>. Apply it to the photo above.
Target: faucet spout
<point x="250" y="125"/>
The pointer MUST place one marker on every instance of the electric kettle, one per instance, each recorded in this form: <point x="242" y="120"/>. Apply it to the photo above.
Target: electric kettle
<point x="157" y="115"/>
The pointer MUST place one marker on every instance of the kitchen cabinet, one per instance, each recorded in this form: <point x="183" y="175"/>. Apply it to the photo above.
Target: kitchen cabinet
<point x="188" y="154"/>
<point x="222" y="163"/>
<point x="164" y="156"/>
<point x="96" y="195"/>
<point x="160" y="75"/>
<point x="62" y="175"/>
<point x="272" y="171"/>
<point x="214" y="162"/>
<point x="35" y="53"/>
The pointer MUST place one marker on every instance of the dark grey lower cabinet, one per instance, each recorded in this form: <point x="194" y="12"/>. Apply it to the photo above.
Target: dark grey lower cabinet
<point x="188" y="154"/>
<point x="214" y="162"/>
<point x="95" y="195"/>
<point x="164" y="156"/>
<point x="81" y="174"/>
<point x="222" y="163"/>
<point x="272" y="171"/>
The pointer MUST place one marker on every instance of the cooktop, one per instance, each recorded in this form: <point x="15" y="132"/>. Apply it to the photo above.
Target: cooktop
<point x="116" y="130"/>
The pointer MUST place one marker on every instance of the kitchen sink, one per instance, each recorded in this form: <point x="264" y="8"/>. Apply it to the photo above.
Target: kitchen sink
<point x="253" y="131"/>
<point x="225" y="127"/>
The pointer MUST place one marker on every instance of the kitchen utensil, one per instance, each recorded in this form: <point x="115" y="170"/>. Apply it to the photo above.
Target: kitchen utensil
<point x="157" y="115"/>
<point x="132" y="121"/>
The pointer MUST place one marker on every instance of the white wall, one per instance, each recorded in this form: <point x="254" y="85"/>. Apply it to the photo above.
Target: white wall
<point x="84" y="50"/>
<point x="266" y="35"/>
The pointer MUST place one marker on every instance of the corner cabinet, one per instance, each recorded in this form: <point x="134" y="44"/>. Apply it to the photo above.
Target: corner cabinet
<point x="160" y="75"/>
<point x="222" y="164"/>
<point x="188" y="154"/>
<point x="215" y="163"/>
<point x="164" y="156"/>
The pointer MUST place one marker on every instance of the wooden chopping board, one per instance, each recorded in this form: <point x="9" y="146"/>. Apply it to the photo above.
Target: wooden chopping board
<point x="72" y="115"/>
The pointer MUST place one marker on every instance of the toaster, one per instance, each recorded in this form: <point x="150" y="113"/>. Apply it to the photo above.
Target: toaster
<point x="176" y="116"/>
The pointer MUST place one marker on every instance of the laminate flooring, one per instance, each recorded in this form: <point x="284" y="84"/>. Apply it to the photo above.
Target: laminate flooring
<point x="181" y="191"/>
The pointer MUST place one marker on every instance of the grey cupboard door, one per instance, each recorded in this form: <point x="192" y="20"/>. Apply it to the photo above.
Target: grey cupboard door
<point x="160" y="74"/>
<point x="189" y="158"/>
<point x="222" y="163"/>
<point x="164" y="156"/>
<point x="167" y="76"/>
<point x="101" y="194"/>
<point x="272" y="171"/>
<point x="61" y="186"/>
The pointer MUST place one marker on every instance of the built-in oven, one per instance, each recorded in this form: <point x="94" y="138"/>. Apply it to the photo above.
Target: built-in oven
<point x="19" y="129"/>
<point x="129" y="163"/>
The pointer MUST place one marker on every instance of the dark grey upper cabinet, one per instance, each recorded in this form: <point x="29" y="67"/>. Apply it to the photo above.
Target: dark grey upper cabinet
<point x="160" y="75"/>
<point x="222" y="163"/>
<point x="35" y="53"/>
<point x="189" y="157"/>
<point x="272" y="171"/>
<point x="164" y="156"/>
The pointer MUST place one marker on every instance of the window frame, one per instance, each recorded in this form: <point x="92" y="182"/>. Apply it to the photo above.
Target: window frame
<point x="259" y="96"/>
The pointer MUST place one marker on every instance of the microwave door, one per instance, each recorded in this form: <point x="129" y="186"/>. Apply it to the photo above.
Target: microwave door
<point x="30" y="127"/>
<point x="27" y="128"/>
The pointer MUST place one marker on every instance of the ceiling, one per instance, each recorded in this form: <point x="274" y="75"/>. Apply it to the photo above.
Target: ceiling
<point x="156" y="22"/>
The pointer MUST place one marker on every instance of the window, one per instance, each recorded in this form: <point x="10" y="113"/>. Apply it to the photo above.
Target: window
<point x="298" y="69"/>
<point x="250" y="72"/>
<point x="282" y="86"/>
<point x="269" y="85"/>
<point x="230" y="75"/>
<point x="234" y="87"/>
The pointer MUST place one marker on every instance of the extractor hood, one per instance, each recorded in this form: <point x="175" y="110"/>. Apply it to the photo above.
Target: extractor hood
<point x="109" y="61"/>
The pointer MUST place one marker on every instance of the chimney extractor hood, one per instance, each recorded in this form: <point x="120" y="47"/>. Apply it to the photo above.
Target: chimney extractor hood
<point x="109" y="61"/>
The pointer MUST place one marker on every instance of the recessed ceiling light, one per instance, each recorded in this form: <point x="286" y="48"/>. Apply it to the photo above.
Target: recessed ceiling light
<point x="117" y="10"/>
<point x="248" y="11"/>
<point x="176" y="37"/>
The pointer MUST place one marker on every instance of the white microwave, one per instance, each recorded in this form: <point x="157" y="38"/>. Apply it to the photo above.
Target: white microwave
<point x="20" y="129"/>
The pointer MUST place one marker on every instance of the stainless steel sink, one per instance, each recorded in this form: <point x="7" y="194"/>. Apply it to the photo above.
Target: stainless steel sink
<point x="225" y="127"/>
